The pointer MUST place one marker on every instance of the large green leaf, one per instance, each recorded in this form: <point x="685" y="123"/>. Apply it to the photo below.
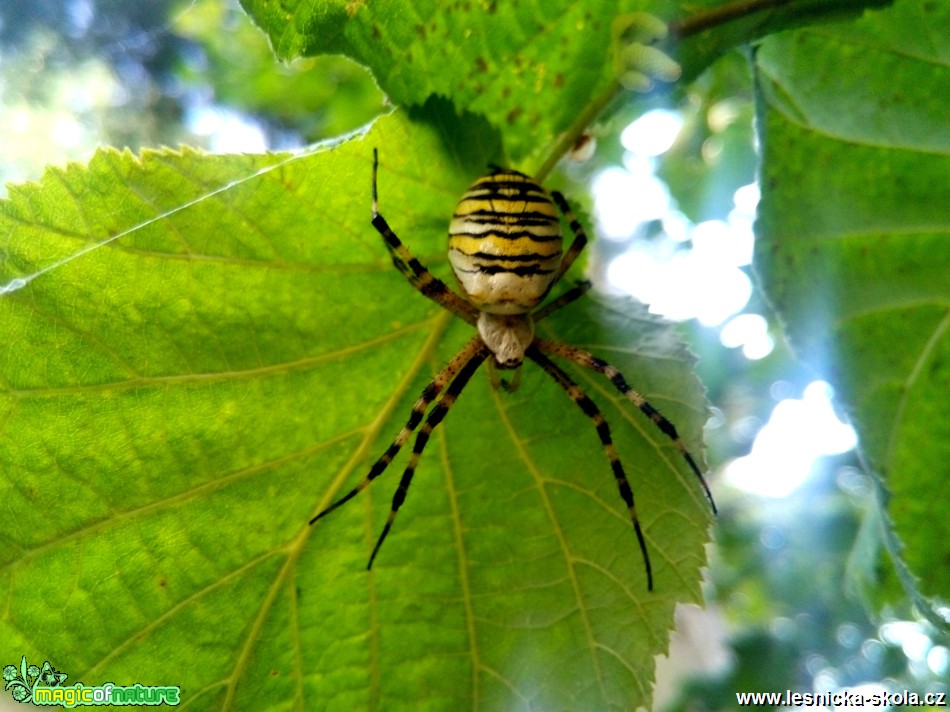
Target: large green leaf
<point x="853" y="243"/>
<point x="178" y="401"/>
<point x="530" y="68"/>
<point x="539" y="72"/>
<point x="712" y="27"/>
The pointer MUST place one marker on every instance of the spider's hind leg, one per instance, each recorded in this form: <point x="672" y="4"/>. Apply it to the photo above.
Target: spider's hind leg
<point x="577" y="246"/>
<point x="418" y="275"/>
<point x="580" y="235"/>
<point x="569" y="297"/>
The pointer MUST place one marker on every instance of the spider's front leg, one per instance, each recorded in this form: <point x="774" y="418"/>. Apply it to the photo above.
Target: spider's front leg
<point x="663" y="424"/>
<point x="462" y="359"/>
<point x="455" y="375"/>
<point x="436" y="415"/>
<point x="590" y="409"/>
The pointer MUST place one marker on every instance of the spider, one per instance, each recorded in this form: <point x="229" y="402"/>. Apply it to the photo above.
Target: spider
<point x="505" y="249"/>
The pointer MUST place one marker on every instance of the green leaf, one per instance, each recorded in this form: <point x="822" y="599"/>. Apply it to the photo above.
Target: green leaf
<point x="208" y="350"/>
<point x="318" y="97"/>
<point x="530" y="68"/>
<point x="853" y="249"/>
<point x="539" y="72"/>
<point x="710" y="28"/>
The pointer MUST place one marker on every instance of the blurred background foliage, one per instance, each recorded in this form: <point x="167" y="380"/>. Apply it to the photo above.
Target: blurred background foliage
<point x="794" y="585"/>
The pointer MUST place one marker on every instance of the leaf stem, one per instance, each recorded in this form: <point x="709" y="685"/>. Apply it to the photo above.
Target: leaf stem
<point x="707" y="19"/>
<point x="569" y="137"/>
<point x="679" y="30"/>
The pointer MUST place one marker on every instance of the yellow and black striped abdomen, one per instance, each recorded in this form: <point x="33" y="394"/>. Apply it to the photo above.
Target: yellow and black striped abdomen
<point x="505" y="243"/>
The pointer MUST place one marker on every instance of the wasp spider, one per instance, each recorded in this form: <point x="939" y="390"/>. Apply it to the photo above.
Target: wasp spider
<point x="505" y="250"/>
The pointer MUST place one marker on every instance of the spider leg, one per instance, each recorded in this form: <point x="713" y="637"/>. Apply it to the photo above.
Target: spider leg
<point x="429" y="394"/>
<point x="588" y="360"/>
<point x="580" y="235"/>
<point x="419" y="277"/>
<point x="435" y="417"/>
<point x="580" y="241"/>
<point x="591" y="410"/>
<point x="571" y="295"/>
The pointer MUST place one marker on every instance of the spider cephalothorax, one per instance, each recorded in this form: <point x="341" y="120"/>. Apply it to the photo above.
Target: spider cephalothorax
<point x="505" y="248"/>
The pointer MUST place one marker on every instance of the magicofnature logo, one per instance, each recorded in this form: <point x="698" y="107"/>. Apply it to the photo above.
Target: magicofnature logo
<point x="44" y="686"/>
<point x="25" y="680"/>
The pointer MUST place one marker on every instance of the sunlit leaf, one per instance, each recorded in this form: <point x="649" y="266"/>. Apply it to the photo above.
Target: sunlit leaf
<point x="539" y="72"/>
<point x="711" y="28"/>
<point x="531" y="69"/>
<point x="176" y="403"/>
<point x="318" y="97"/>
<point x="853" y="250"/>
